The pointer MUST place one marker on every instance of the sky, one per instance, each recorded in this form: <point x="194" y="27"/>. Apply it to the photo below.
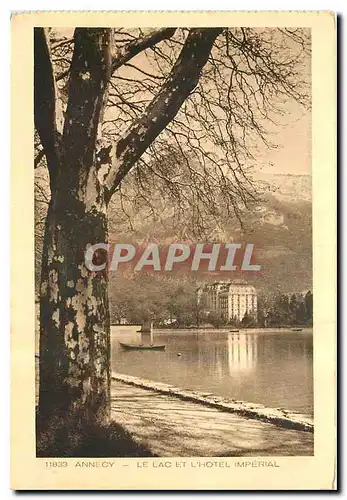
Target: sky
<point x="293" y="156"/>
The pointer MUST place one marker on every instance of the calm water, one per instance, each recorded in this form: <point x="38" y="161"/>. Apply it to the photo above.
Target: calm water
<point x="272" y="368"/>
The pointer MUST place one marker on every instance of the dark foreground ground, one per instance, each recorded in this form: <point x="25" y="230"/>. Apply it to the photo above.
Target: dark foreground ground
<point x="108" y="441"/>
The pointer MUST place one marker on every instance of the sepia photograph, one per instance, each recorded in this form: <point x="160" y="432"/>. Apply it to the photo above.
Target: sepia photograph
<point x="179" y="160"/>
<point x="177" y="303"/>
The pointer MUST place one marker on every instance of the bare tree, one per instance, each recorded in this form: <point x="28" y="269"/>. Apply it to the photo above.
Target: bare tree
<point x="179" y="111"/>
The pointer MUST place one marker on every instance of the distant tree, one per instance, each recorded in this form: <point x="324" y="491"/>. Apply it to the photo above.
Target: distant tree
<point x="284" y="303"/>
<point x="180" y="303"/>
<point x="300" y="316"/>
<point x="248" y="320"/>
<point x="199" y="305"/>
<point x="261" y="317"/>
<point x="216" y="320"/>
<point x="293" y="306"/>
<point x="309" y="306"/>
<point x="263" y="309"/>
<point x="234" y="321"/>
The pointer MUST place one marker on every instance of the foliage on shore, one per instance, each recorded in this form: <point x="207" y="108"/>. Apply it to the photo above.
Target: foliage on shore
<point x="174" y="303"/>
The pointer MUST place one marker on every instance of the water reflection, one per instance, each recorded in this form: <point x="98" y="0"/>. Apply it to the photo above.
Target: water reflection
<point x="273" y="368"/>
<point x="238" y="354"/>
<point x="242" y="352"/>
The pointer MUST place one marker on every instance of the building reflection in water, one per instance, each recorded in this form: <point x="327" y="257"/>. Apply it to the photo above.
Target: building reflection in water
<point x="242" y="352"/>
<point x="233" y="355"/>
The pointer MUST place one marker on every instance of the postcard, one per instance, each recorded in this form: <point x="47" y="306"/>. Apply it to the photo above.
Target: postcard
<point x="173" y="251"/>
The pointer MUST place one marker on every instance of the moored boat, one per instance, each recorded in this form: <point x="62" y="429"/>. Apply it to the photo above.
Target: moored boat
<point x="143" y="347"/>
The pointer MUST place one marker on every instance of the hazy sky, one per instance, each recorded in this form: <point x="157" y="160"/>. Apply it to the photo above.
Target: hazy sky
<point x="294" y="154"/>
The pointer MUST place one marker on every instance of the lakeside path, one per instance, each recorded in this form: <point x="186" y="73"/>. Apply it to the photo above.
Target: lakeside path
<point x="170" y="426"/>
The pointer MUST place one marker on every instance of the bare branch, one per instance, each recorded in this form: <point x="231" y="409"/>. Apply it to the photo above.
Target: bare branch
<point x="39" y="157"/>
<point x="138" y="45"/>
<point x="219" y="131"/>
<point x="62" y="75"/>
<point x="48" y="120"/>
<point x="180" y="82"/>
<point x="62" y="42"/>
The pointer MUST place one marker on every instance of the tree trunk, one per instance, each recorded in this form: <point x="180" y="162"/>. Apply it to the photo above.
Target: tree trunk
<point x="74" y="326"/>
<point x="74" y="323"/>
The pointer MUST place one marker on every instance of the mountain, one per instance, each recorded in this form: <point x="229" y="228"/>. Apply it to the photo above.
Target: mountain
<point x="288" y="187"/>
<point x="279" y="225"/>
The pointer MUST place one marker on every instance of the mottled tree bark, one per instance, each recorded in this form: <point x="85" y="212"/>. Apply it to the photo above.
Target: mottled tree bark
<point x="74" y="336"/>
<point x="74" y="326"/>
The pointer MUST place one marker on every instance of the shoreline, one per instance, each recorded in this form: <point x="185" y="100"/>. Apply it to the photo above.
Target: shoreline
<point x="283" y="329"/>
<point x="277" y="416"/>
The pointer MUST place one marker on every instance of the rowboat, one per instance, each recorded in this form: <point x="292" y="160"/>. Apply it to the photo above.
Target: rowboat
<point x="143" y="347"/>
<point x="296" y="329"/>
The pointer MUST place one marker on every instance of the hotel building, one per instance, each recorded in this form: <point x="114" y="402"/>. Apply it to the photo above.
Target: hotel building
<point x="230" y="299"/>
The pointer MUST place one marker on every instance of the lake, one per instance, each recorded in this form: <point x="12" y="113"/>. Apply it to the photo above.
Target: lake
<point x="271" y="367"/>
